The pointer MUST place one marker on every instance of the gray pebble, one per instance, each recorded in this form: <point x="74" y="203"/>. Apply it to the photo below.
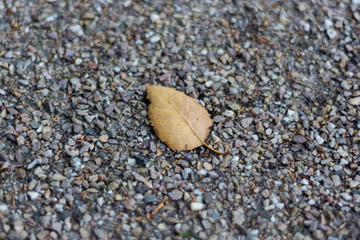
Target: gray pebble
<point x="46" y="132"/>
<point x="75" y="83"/>
<point x="327" y="183"/>
<point x="309" y="96"/>
<point x="346" y="196"/>
<point x="176" y="195"/>
<point x="109" y="109"/>
<point x="266" y="193"/>
<point x="331" y="33"/>
<point x="150" y="199"/>
<point x="336" y="180"/>
<point x="56" y="226"/>
<point x="246" y="122"/>
<point x="100" y="234"/>
<point x="131" y="133"/>
<point x="234" y="106"/>
<point x="299" y="139"/>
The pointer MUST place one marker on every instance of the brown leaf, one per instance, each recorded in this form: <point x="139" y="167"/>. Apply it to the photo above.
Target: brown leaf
<point x="179" y="121"/>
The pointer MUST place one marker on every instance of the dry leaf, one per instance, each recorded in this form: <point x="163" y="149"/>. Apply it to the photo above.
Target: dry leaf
<point x="179" y="121"/>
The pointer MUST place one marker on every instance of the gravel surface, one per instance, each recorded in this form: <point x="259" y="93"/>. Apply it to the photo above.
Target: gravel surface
<point x="79" y="159"/>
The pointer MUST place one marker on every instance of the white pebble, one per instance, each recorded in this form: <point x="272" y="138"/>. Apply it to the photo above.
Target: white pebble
<point x="209" y="83"/>
<point x="311" y="202"/>
<point x="330" y="127"/>
<point x="100" y="201"/>
<point x="202" y="172"/>
<point x="196" y="206"/>
<point x="33" y="195"/>
<point x="337" y="167"/>
<point x="33" y="163"/>
<point x="305" y="25"/>
<point x="274" y="140"/>
<point x="155" y="39"/>
<point x="327" y="65"/>
<point x="342" y="152"/>
<point x="78" y="61"/>
<point x="255" y="137"/>
<point x="280" y="205"/>
<point x="304" y="181"/>
<point x="268" y="131"/>
<point x="212" y="11"/>
<point x="229" y="113"/>
<point x="319" y="139"/>
<point x="328" y="23"/>
<point x="346" y="196"/>
<point x="154" y="17"/>
<point x="117" y="69"/>
<point x="3" y="208"/>
<point x="331" y="33"/>
<point x="290" y="112"/>
<point x="270" y="207"/>
<point x="77" y="30"/>
<point x="204" y="52"/>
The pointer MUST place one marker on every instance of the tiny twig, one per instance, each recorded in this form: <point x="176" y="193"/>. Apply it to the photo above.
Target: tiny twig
<point x="293" y="134"/>
<point x="243" y="95"/>
<point x="136" y="113"/>
<point x="252" y="112"/>
<point x="297" y="146"/>
<point x="130" y="86"/>
<point x="302" y="83"/>
<point x="12" y="32"/>
<point x="157" y="209"/>
<point x="286" y="206"/>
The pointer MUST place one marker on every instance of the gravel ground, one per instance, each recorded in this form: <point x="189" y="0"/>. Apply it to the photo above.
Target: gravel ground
<point x="79" y="159"/>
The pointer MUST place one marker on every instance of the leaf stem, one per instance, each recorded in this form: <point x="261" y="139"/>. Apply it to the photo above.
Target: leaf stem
<point x="216" y="151"/>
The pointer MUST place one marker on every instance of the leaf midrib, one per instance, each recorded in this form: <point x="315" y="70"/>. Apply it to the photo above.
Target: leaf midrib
<point x="178" y="111"/>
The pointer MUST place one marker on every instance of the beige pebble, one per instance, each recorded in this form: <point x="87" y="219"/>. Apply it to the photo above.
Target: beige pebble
<point x="355" y="101"/>
<point x="104" y="138"/>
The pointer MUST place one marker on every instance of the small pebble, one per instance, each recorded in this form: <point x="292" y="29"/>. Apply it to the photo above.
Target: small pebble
<point x="58" y="177"/>
<point x="196" y="206"/>
<point x="77" y="30"/>
<point x="336" y="180"/>
<point x="155" y="39"/>
<point x="246" y="122"/>
<point x="33" y="195"/>
<point x="353" y="184"/>
<point x="266" y="193"/>
<point x="154" y="17"/>
<point x="176" y="195"/>
<point x="104" y="138"/>
<point x="299" y="139"/>
<point x="346" y="196"/>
